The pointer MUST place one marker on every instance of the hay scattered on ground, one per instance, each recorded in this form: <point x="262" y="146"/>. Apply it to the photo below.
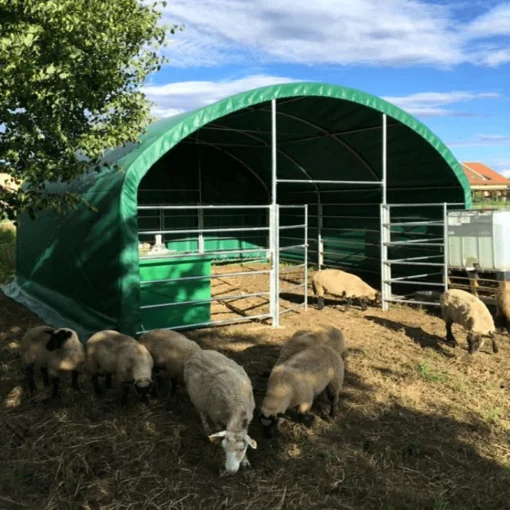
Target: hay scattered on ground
<point x="421" y="426"/>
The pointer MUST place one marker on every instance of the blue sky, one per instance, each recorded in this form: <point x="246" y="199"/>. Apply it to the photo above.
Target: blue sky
<point x="447" y="63"/>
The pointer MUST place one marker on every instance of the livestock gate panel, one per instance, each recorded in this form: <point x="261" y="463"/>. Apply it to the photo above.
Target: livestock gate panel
<point x="177" y="287"/>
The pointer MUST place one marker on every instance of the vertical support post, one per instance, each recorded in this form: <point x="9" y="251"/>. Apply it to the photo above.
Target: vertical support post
<point x="385" y="266"/>
<point x="306" y="256"/>
<point x="446" y="247"/>
<point x="384" y="158"/>
<point x="320" y="247"/>
<point x="201" y="246"/>
<point x="274" y="227"/>
<point x="385" y="234"/>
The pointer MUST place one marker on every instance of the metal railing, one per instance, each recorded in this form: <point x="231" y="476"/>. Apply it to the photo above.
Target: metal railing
<point x="437" y="243"/>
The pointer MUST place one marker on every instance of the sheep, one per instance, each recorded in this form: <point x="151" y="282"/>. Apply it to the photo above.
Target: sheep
<point x="503" y="304"/>
<point x="169" y="350"/>
<point x="120" y="354"/>
<point x="221" y="391"/>
<point x="303" y="339"/>
<point x="54" y="350"/>
<point x="461" y="307"/>
<point x="344" y="285"/>
<point x="296" y="382"/>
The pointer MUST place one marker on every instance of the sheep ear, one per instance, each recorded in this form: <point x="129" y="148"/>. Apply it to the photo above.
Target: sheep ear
<point x="216" y="437"/>
<point x="251" y="442"/>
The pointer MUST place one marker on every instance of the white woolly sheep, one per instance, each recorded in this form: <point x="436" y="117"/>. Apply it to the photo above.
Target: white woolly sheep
<point x="54" y="350"/>
<point x="461" y="307"/>
<point x="115" y="353"/>
<point x="169" y="350"/>
<point x="344" y="285"/>
<point x="295" y="383"/>
<point x="221" y="391"/>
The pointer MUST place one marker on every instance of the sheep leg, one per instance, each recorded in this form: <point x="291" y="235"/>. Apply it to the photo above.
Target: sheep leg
<point x="495" y="348"/>
<point x="173" y="389"/>
<point x="348" y="304"/>
<point x="156" y="378"/>
<point x="46" y="379"/>
<point x="449" y="333"/>
<point x="29" y="378"/>
<point x="205" y="424"/>
<point x="320" y="302"/>
<point x="474" y="342"/>
<point x="56" y="383"/>
<point x="74" y="380"/>
<point x="305" y="417"/>
<point x="108" y="382"/>
<point x="95" y="383"/>
<point x="124" y="393"/>
<point x="333" y="399"/>
<point x="362" y="304"/>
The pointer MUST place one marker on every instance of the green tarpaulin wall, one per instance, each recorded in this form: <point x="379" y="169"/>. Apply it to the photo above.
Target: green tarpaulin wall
<point x="82" y="269"/>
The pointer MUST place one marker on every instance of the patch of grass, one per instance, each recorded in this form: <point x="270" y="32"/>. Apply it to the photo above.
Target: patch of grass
<point x="429" y="374"/>
<point x="7" y="251"/>
<point x="493" y="414"/>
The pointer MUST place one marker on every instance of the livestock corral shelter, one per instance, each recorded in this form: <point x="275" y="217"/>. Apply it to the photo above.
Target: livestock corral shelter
<point x="217" y="207"/>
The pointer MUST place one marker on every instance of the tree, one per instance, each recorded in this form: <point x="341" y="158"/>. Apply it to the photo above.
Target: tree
<point x="72" y="72"/>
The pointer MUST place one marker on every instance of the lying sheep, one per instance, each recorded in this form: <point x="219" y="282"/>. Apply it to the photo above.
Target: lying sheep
<point x="461" y="307"/>
<point x="295" y="383"/>
<point x="54" y="351"/>
<point x="344" y="285"/>
<point x="169" y="350"/>
<point x="303" y="339"/>
<point x="221" y="391"/>
<point x="119" y="354"/>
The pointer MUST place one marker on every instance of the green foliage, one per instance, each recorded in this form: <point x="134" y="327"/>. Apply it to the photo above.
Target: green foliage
<point x="72" y="71"/>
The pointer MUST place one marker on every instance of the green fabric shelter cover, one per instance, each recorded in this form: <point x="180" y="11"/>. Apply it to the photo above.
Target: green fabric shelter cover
<point x="81" y="270"/>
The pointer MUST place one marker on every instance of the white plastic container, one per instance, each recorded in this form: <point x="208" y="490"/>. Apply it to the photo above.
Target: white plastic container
<point x="479" y="239"/>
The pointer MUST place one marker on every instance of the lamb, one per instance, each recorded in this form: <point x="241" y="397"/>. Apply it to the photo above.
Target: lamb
<point x="461" y="307"/>
<point x="115" y="353"/>
<point x="297" y="381"/>
<point x="169" y="350"/>
<point x="344" y="285"/>
<point x="221" y="391"/>
<point x="54" y="350"/>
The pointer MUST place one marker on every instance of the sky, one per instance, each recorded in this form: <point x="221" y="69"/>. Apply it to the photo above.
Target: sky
<point x="445" y="62"/>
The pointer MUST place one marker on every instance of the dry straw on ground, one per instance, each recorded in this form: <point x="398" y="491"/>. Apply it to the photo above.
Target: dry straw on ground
<point x="421" y="426"/>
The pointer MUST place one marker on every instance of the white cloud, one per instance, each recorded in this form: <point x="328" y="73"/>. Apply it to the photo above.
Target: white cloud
<point x="482" y="141"/>
<point x="344" y="32"/>
<point x="434" y="104"/>
<point x="497" y="58"/>
<point x="174" y="98"/>
<point x="501" y="165"/>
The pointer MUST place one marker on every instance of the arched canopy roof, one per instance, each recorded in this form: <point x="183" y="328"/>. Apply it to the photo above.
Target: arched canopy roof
<point x="309" y="123"/>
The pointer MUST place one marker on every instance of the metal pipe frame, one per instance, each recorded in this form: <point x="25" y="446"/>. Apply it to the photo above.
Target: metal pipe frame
<point x="306" y="259"/>
<point x="204" y="301"/>
<point x="275" y="252"/>
<point x="213" y="323"/>
<point x="212" y="206"/>
<point x="215" y="230"/>
<point x="218" y="252"/>
<point x="305" y="181"/>
<point x="211" y="277"/>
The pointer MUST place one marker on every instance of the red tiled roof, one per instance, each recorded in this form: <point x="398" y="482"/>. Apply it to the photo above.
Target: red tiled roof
<point x="479" y="174"/>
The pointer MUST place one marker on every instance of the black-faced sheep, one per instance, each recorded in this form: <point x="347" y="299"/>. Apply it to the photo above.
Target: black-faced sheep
<point x="221" y="391"/>
<point x="169" y="350"/>
<point x="114" y="353"/>
<point x="54" y="351"/>
<point x="344" y="285"/>
<point x="295" y="383"/>
<point x="461" y="307"/>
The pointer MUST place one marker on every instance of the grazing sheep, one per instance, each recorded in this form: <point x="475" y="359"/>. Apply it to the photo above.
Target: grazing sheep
<point x="119" y="354"/>
<point x="344" y="285"/>
<point x="54" y="351"/>
<point x="221" y="391"/>
<point x="461" y="307"/>
<point x="503" y="304"/>
<point x="304" y="338"/>
<point x="295" y="383"/>
<point x="169" y="350"/>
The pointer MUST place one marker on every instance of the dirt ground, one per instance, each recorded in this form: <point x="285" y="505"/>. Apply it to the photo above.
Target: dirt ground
<point x="421" y="425"/>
